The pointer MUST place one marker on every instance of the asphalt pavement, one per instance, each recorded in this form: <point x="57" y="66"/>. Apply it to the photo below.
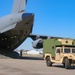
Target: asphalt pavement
<point x="32" y="66"/>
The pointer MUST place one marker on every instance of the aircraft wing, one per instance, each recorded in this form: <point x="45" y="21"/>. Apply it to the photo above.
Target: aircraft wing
<point x="38" y="40"/>
<point x="35" y="37"/>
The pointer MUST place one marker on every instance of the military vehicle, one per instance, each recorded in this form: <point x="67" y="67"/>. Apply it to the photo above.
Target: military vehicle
<point x="59" y="51"/>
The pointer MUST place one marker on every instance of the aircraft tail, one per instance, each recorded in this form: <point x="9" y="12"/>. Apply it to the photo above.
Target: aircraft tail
<point x="19" y="6"/>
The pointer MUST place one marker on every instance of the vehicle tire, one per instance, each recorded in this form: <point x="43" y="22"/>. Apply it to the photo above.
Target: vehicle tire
<point x="48" y="61"/>
<point x="64" y="64"/>
<point x="67" y="63"/>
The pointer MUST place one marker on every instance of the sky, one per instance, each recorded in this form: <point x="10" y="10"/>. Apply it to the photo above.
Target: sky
<point x="52" y="18"/>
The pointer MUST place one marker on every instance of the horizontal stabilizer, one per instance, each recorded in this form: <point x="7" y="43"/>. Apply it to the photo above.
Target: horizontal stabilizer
<point x="8" y="28"/>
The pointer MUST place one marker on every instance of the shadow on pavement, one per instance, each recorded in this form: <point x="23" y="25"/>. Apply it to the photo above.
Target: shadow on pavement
<point x="61" y="66"/>
<point x="31" y="58"/>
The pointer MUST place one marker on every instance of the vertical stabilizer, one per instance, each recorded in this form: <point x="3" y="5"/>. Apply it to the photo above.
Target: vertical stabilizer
<point x="19" y="6"/>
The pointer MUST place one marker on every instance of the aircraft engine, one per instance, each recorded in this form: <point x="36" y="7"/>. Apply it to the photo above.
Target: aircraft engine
<point x="37" y="44"/>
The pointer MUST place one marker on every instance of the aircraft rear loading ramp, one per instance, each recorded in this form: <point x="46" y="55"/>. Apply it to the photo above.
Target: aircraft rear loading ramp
<point x="59" y="51"/>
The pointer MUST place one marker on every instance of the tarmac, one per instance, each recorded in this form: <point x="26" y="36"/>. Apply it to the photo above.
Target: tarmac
<point x="32" y="65"/>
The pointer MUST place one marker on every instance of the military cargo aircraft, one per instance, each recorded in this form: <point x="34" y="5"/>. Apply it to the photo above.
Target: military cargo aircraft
<point x="15" y="27"/>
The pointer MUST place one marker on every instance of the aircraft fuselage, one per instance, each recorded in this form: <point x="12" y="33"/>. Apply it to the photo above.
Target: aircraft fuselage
<point x="11" y="39"/>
